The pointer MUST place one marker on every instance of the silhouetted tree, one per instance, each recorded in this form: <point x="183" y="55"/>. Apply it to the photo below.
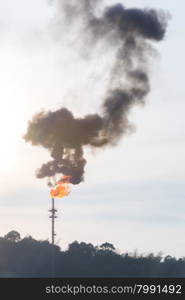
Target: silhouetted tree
<point x="13" y="236"/>
<point x="108" y="246"/>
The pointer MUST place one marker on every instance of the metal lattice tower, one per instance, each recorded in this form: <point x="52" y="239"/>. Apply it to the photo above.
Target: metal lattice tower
<point x="53" y="217"/>
<point x="53" y="234"/>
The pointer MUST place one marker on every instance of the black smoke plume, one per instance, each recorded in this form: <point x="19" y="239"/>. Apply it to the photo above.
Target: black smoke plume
<point x="130" y="32"/>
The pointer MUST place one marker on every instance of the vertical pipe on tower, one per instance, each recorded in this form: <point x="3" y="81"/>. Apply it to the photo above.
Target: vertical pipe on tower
<point x="53" y="222"/>
<point x="53" y="217"/>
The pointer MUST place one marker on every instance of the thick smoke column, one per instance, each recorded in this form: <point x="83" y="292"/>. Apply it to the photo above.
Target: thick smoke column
<point x="128" y="32"/>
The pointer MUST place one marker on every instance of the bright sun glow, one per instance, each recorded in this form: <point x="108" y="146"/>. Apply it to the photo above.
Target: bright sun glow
<point x="9" y="140"/>
<point x="11" y="128"/>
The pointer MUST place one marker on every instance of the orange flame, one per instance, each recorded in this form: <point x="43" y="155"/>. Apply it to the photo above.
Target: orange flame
<point x="62" y="188"/>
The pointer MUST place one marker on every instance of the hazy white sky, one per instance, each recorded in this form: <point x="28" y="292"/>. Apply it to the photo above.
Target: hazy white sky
<point x="133" y="195"/>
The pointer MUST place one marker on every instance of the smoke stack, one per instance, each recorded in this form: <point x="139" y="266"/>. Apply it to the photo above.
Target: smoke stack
<point x="128" y="32"/>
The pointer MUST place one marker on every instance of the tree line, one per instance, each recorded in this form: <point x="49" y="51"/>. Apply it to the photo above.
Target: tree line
<point x="28" y="257"/>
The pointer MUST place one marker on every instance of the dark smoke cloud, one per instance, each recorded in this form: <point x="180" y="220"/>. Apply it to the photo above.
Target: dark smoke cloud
<point x="129" y="31"/>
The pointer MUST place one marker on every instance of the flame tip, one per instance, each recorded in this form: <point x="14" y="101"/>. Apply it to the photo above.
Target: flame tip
<point x="62" y="187"/>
